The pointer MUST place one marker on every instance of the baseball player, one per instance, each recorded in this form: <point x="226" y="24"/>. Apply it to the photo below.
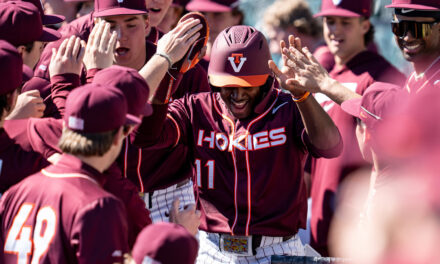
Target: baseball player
<point x="143" y="168"/>
<point x="247" y="143"/>
<point x="347" y="32"/>
<point x="65" y="68"/>
<point x="21" y="25"/>
<point x="15" y="162"/>
<point x="42" y="135"/>
<point x="62" y="213"/>
<point x="376" y="104"/>
<point x="416" y="29"/>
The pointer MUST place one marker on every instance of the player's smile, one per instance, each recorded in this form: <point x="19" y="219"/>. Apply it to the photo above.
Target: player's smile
<point x="411" y="47"/>
<point x="240" y="100"/>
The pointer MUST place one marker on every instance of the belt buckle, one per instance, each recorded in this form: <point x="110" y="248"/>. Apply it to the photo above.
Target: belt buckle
<point x="237" y="245"/>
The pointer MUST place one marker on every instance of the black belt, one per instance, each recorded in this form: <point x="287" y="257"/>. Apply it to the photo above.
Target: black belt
<point x="256" y="242"/>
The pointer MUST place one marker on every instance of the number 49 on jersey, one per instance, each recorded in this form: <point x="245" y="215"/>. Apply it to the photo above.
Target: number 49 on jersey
<point x="22" y="241"/>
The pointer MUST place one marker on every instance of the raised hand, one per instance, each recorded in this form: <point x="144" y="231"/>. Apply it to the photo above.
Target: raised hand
<point x="68" y="58"/>
<point x="100" y="47"/>
<point x="29" y="104"/>
<point x="188" y="218"/>
<point x="303" y="73"/>
<point x="177" y="42"/>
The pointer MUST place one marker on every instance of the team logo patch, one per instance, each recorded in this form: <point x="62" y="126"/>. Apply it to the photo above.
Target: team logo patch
<point x="237" y="60"/>
<point x="337" y="2"/>
<point x="76" y="123"/>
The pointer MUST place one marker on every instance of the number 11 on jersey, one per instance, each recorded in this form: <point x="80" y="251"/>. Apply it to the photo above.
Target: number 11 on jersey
<point x="210" y="164"/>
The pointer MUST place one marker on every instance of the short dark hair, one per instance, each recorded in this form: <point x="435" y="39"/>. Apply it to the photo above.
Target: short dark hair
<point x="28" y="46"/>
<point x="369" y="36"/>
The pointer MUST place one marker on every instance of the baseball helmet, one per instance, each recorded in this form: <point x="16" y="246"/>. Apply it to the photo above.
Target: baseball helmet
<point x="239" y="58"/>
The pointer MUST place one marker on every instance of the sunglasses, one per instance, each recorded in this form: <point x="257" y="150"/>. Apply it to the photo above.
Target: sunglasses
<point x="418" y="29"/>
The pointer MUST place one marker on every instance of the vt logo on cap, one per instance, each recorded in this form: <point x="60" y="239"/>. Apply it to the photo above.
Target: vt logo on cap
<point x="336" y="2"/>
<point x="237" y="58"/>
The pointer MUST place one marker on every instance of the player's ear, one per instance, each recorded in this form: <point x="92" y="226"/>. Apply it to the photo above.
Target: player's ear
<point x="367" y="135"/>
<point x="365" y="25"/>
<point x="21" y="50"/>
<point x="147" y="23"/>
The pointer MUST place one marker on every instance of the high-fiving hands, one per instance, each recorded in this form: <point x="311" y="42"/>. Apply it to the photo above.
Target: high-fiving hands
<point x="301" y="71"/>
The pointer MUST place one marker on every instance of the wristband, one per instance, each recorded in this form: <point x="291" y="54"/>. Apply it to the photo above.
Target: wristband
<point x="302" y="98"/>
<point x="164" y="55"/>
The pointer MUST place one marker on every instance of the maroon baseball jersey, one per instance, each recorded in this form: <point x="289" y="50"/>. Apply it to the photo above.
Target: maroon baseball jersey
<point x="62" y="215"/>
<point x="248" y="174"/>
<point x="16" y="163"/>
<point x="42" y="135"/>
<point x="429" y="79"/>
<point x="359" y="73"/>
<point x="150" y="168"/>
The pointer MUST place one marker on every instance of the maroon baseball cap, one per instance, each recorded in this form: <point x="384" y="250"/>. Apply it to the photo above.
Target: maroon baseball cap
<point x="20" y="24"/>
<point x="429" y="5"/>
<point x="239" y="58"/>
<point x="119" y="7"/>
<point x="165" y="243"/>
<point x="95" y="108"/>
<point x="10" y="68"/>
<point x="377" y="102"/>
<point x="212" y="5"/>
<point x="345" y="8"/>
<point x="46" y="19"/>
<point x="131" y="83"/>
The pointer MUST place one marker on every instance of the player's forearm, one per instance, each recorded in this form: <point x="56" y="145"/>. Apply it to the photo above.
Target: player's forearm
<point x="337" y="92"/>
<point x="321" y="130"/>
<point x="153" y="72"/>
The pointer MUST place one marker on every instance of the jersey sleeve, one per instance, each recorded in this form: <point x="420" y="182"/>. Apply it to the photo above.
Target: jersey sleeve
<point x="99" y="233"/>
<point x="137" y="215"/>
<point x="61" y="86"/>
<point x="165" y="128"/>
<point x="307" y="144"/>
<point x="36" y="134"/>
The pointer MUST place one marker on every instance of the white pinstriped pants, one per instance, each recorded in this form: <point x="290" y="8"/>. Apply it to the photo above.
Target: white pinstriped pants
<point x="162" y="200"/>
<point x="209" y="251"/>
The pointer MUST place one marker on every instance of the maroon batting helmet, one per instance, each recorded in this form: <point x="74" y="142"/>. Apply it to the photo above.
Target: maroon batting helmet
<point x="239" y="58"/>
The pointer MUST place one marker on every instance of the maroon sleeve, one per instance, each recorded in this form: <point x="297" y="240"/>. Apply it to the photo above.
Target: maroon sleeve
<point x="163" y="129"/>
<point x="44" y="87"/>
<point x="99" y="234"/>
<point x="37" y="134"/>
<point x="147" y="133"/>
<point x="91" y="74"/>
<point x="322" y="153"/>
<point x="61" y="86"/>
<point x="137" y="215"/>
